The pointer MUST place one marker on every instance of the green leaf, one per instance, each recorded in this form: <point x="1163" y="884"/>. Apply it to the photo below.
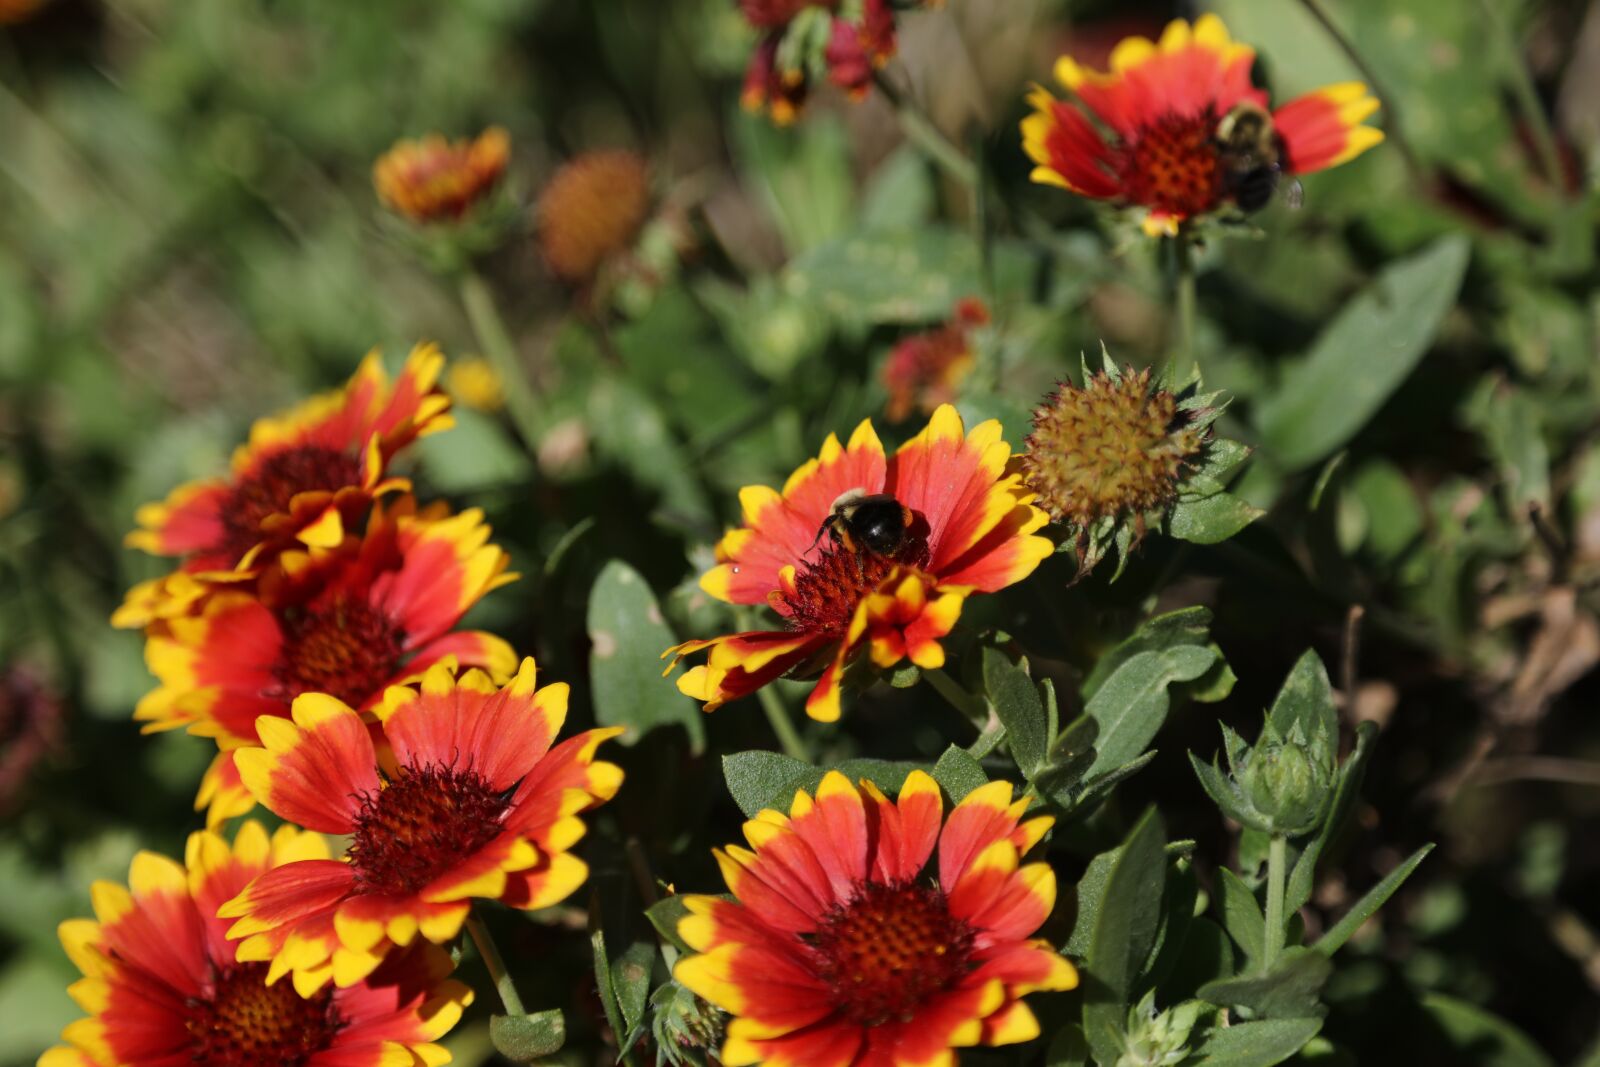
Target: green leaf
<point x="627" y="634"/>
<point x="528" y="1038"/>
<point x="1131" y="706"/>
<point x="1177" y="916"/>
<point x="755" y="777"/>
<point x="664" y="915"/>
<point x="1289" y="991"/>
<point x="1206" y="956"/>
<point x="605" y="983"/>
<point x="1241" y="914"/>
<point x="1306" y="698"/>
<point x="1016" y="702"/>
<point x="1346" y="788"/>
<point x="475" y="455"/>
<point x="1370" y="902"/>
<point x="1090" y="893"/>
<point x="1124" y="931"/>
<point x="1210" y="519"/>
<point x="802" y="175"/>
<point x="1481" y="1038"/>
<point x="1253" y="1044"/>
<point x="958" y="773"/>
<point x="630" y="430"/>
<point x="1363" y="355"/>
<point x="1186" y="626"/>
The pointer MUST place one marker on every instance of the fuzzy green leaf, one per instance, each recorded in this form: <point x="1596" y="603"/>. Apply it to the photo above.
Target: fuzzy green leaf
<point x="1289" y="991"/>
<point x="755" y="777"/>
<point x="664" y="915"/>
<point x="1361" y="358"/>
<point x="1241" y="914"/>
<point x="1306" y="698"/>
<point x="528" y="1038"/>
<point x="1347" y="785"/>
<point x="1124" y="931"/>
<point x="958" y="773"/>
<point x="1370" y="902"/>
<point x="627" y="632"/>
<point x="1016" y="702"/>
<point x="1210" y="519"/>
<point x="1253" y="1044"/>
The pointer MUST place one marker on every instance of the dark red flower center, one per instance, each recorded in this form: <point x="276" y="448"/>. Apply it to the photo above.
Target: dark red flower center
<point x="268" y="488"/>
<point x="889" y="950"/>
<point x="1172" y="165"/>
<point x="421" y="825"/>
<point x="248" y="1023"/>
<point x="344" y="647"/>
<point x="827" y="591"/>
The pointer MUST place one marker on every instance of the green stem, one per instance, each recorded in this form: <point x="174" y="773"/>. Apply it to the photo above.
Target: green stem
<point x="1184" y="357"/>
<point x="973" y="707"/>
<point x="495" y="964"/>
<point x="778" y="715"/>
<point x="501" y="353"/>
<point x="1528" y="102"/>
<point x="928" y="138"/>
<point x="1277" y="862"/>
<point x="1347" y="46"/>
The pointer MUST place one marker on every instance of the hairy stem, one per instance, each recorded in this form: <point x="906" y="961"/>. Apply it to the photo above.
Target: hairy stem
<point x="1277" y="862"/>
<point x="498" y="349"/>
<point x="1183" y="356"/>
<point x="496" y="965"/>
<point x="778" y="715"/>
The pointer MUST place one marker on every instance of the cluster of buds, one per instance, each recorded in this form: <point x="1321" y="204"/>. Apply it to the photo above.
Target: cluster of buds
<point x="1282" y="785"/>
<point x="1158" y="1038"/>
<point x="684" y="1029"/>
<point x="803" y="41"/>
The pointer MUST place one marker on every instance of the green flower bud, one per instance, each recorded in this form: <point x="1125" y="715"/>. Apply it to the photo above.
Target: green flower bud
<point x="1158" y="1039"/>
<point x="1287" y="781"/>
<point x="685" y="1029"/>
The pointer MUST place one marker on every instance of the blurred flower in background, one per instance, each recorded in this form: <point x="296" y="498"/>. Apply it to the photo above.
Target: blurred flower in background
<point x="435" y="180"/>
<point x="473" y="382"/>
<point x="32" y="727"/>
<point x="591" y="211"/>
<point x="1189" y="133"/>
<point x="926" y="369"/>
<point x="161" y="985"/>
<point x="17" y="10"/>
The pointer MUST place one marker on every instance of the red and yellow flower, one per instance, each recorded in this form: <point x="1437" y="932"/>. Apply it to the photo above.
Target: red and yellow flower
<point x="926" y="369"/>
<point x="433" y="179"/>
<point x="161" y="985"/>
<point x="1162" y="102"/>
<point x="799" y="37"/>
<point x="302" y="477"/>
<point x="349" y="621"/>
<point x="972" y="529"/>
<point x="839" y="950"/>
<point x="464" y="797"/>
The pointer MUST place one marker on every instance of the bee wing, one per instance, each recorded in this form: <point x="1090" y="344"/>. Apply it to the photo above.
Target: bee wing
<point x="1294" y="194"/>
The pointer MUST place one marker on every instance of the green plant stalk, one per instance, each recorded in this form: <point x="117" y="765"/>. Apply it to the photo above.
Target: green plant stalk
<point x="498" y="349"/>
<point x="1527" y="97"/>
<point x="778" y="715"/>
<point x="1277" y="874"/>
<point x="495" y="964"/>
<point x="1183" y="290"/>
<point x="974" y="708"/>
<point x="920" y="131"/>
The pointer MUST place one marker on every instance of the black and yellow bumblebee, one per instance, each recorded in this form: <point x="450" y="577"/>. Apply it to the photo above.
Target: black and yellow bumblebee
<point x="860" y="523"/>
<point x="1251" y="159"/>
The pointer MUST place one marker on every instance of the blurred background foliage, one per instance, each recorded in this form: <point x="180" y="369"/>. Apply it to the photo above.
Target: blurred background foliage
<point x="189" y="240"/>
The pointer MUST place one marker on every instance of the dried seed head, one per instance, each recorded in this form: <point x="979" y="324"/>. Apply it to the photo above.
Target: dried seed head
<point x="1113" y="448"/>
<point x="591" y="210"/>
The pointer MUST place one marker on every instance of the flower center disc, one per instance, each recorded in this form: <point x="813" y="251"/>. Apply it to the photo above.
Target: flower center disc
<point x="276" y="480"/>
<point x="343" y="647"/>
<point x="889" y="950"/>
<point x="248" y="1023"/>
<point x="421" y="825"/>
<point x="1172" y="165"/>
<point x="827" y="592"/>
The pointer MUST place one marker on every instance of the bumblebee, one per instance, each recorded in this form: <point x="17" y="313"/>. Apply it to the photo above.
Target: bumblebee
<point x="862" y="523"/>
<point x="1250" y="157"/>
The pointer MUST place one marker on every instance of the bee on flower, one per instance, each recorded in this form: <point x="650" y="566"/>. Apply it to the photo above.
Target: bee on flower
<point x="301" y="479"/>
<point x="1184" y="134"/>
<point x="463" y="793"/>
<point x="436" y="180"/>
<point x="867" y="554"/>
<point x="348" y="621"/>
<point x="847" y="942"/>
<point x="161" y="984"/>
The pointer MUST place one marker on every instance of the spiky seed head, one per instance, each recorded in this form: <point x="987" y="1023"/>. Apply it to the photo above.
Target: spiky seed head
<point x="592" y="209"/>
<point x="1114" y="447"/>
